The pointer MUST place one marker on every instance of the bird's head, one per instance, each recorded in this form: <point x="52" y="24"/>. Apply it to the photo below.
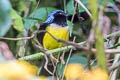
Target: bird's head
<point x="58" y="17"/>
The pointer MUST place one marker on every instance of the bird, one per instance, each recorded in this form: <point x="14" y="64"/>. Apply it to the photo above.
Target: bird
<point x="56" y="25"/>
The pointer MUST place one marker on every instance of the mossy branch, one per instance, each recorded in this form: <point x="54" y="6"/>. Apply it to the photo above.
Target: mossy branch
<point x="54" y="51"/>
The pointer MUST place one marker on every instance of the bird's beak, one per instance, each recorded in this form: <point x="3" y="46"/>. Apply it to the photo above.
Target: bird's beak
<point x="67" y="15"/>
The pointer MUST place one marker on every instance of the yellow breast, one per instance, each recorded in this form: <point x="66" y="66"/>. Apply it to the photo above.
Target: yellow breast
<point x="59" y="33"/>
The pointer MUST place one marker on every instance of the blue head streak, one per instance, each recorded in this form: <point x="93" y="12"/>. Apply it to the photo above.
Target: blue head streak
<point x="51" y="16"/>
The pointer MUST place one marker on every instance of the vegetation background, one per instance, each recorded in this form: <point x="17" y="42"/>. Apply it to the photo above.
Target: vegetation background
<point x="94" y="29"/>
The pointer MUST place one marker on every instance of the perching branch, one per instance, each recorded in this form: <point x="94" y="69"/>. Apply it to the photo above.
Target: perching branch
<point x="56" y="51"/>
<point x="71" y="46"/>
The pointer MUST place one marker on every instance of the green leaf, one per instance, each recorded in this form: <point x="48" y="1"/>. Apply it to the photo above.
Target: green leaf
<point x="70" y="5"/>
<point x="39" y="14"/>
<point x="70" y="24"/>
<point x="5" y="20"/>
<point x="17" y="20"/>
<point x="102" y="2"/>
<point x="60" y="69"/>
<point x="79" y="59"/>
<point x="22" y="5"/>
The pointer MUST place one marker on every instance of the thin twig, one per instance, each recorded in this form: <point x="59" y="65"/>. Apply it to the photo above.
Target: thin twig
<point x="74" y="11"/>
<point x="23" y="47"/>
<point x="64" y="1"/>
<point x="115" y="66"/>
<point x="67" y="60"/>
<point x="15" y="39"/>
<point x="116" y="60"/>
<point x="81" y="4"/>
<point x="23" y="38"/>
<point x="46" y="57"/>
<point x="112" y="34"/>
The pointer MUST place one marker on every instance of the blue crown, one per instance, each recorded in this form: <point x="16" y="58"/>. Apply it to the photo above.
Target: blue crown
<point x="51" y="16"/>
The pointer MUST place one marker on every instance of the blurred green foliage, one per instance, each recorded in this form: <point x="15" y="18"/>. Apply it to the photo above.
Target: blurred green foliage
<point x="70" y="5"/>
<point x="25" y="14"/>
<point x="39" y="15"/>
<point x="5" y="20"/>
<point x="17" y="21"/>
